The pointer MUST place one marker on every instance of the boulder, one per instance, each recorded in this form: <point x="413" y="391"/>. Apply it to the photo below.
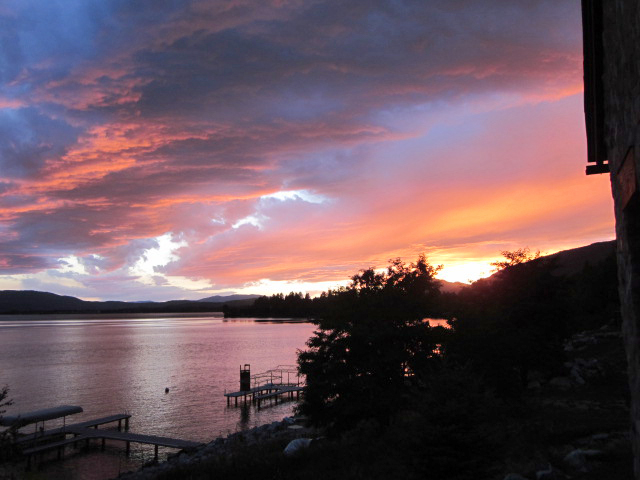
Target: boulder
<point x="578" y="459"/>
<point x="296" y="445"/>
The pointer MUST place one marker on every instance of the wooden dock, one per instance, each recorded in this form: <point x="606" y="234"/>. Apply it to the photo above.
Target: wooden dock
<point x="264" y="392"/>
<point x="272" y="384"/>
<point x="289" y="390"/>
<point x="87" y="431"/>
<point x="40" y="436"/>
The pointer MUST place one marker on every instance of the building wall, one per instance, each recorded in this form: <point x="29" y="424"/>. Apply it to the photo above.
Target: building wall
<point x="621" y="82"/>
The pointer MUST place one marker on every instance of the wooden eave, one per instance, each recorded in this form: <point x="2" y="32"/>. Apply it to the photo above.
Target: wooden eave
<point x="592" y="28"/>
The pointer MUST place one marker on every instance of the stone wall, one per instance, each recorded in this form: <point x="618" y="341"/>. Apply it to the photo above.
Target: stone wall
<point x="621" y="38"/>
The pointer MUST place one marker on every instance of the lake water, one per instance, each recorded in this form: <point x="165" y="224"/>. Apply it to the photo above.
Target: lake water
<point x="116" y="364"/>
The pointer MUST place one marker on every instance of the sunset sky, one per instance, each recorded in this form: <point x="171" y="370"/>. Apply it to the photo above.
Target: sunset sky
<point x="161" y="149"/>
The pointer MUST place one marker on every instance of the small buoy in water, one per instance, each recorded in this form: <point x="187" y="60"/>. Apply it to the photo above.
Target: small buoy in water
<point x="166" y="390"/>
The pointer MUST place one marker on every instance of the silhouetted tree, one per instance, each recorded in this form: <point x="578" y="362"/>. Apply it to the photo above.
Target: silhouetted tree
<point x="371" y="345"/>
<point x="6" y="436"/>
<point x="4" y="392"/>
<point x="515" y="257"/>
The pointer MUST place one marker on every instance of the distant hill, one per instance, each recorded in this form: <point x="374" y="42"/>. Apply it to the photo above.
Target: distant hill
<point x="569" y="262"/>
<point x="451" y="287"/>
<point x="573" y="261"/>
<point x="30" y="301"/>
<point x="227" y="298"/>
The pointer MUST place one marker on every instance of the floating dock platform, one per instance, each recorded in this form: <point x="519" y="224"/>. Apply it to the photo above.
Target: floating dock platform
<point x="283" y="380"/>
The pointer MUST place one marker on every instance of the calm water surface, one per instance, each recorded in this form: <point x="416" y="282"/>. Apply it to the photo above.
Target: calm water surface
<point x="117" y="364"/>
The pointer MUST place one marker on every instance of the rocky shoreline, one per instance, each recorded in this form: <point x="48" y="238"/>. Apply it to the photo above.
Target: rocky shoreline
<point x="289" y="428"/>
<point x="593" y="394"/>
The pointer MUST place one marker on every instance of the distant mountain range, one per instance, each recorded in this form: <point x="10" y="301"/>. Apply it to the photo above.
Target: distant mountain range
<point x="227" y="298"/>
<point x="28" y="301"/>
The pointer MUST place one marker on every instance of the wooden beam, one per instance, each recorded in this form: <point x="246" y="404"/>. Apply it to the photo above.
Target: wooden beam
<point x="594" y="114"/>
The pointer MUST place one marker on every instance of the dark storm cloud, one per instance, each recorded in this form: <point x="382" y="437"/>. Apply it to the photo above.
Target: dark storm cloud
<point x="28" y="139"/>
<point x="355" y="57"/>
<point x="80" y="229"/>
<point x="63" y="231"/>
<point x="23" y="263"/>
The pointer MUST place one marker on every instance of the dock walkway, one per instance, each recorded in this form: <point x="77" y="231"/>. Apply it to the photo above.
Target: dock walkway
<point x="86" y="431"/>
<point x="140" y="438"/>
<point x="43" y="435"/>
<point x="50" y="446"/>
<point x="280" y="390"/>
<point x="102" y="421"/>
<point x="128" y="437"/>
<point x="264" y="392"/>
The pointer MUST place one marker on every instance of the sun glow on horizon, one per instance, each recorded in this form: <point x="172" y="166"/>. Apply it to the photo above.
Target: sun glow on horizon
<point x="466" y="272"/>
<point x="272" y="287"/>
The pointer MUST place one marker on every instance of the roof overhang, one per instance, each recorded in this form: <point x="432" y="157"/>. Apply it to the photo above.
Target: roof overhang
<point x="592" y="28"/>
<point x="39" y="415"/>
